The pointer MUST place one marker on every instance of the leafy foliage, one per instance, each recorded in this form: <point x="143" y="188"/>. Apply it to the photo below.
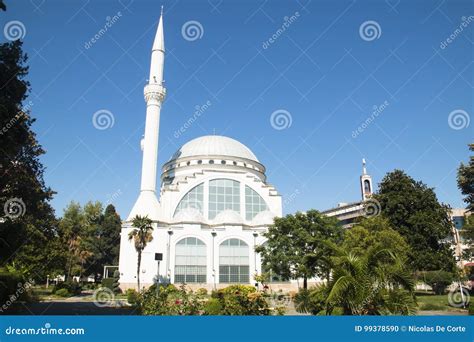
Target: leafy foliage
<point x="240" y="300"/>
<point x="372" y="283"/>
<point x="24" y="240"/>
<point x="466" y="180"/>
<point x="169" y="300"/>
<point x="89" y="238"/>
<point x="71" y="287"/>
<point x="413" y="210"/>
<point x="294" y="247"/>
<point x="438" y="280"/>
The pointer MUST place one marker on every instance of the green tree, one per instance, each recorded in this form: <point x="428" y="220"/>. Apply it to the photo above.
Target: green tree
<point x="413" y="210"/>
<point x="294" y="247"/>
<point x="466" y="180"/>
<point x="29" y="226"/>
<point x="373" y="282"/>
<point x="104" y="237"/>
<point x="71" y="226"/>
<point x="141" y="235"/>
<point x="375" y="232"/>
<point x="467" y="233"/>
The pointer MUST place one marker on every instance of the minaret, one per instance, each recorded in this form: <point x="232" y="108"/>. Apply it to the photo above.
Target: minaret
<point x="147" y="202"/>
<point x="365" y="182"/>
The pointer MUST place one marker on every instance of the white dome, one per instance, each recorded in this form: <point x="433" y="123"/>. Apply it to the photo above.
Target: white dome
<point x="228" y="217"/>
<point x="263" y="218"/>
<point x="214" y="145"/>
<point x="192" y="215"/>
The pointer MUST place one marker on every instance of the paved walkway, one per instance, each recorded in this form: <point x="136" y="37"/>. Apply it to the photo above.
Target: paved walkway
<point x="68" y="307"/>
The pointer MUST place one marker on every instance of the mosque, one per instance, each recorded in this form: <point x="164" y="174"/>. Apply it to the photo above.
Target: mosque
<point x="214" y="204"/>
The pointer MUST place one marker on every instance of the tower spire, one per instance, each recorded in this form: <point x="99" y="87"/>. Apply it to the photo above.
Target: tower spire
<point x="365" y="182"/>
<point x="147" y="203"/>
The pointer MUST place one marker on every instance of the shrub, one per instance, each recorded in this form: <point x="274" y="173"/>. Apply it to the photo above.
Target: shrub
<point x="112" y="283"/>
<point x="213" y="307"/>
<point x="89" y="286"/>
<point x="201" y="292"/>
<point x="438" y="280"/>
<point x="72" y="287"/>
<point x="471" y="309"/>
<point x="63" y="293"/>
<point x="241" y="300"/>
<point x="13" y="287"/>
<point x="168" y="300"/>
<point x="132" y="296"/>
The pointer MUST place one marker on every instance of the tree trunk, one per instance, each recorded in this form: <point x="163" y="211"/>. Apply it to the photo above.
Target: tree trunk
<point x="305" y="283"/>
<point x="138" y="269"/>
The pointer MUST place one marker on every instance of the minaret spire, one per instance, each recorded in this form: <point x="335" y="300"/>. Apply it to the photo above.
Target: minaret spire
<point x="147" y="203"/>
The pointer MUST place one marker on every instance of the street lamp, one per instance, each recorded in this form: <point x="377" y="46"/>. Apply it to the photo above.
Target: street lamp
<point x="168" y="269"/>
<point x="213" y="233"/>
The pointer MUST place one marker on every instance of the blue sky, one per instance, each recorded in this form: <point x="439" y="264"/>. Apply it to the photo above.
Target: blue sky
<point x="323" y="71"/>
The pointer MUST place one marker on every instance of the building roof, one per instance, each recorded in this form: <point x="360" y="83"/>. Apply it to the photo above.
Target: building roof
<point x="214" y="145"/>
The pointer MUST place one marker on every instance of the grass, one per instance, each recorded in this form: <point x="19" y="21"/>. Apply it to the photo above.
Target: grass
<point x="430" y="302"/>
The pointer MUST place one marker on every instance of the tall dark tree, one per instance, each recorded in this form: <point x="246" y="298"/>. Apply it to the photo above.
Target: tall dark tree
<point x="413" y="210"/>
<point x="103" y="240"/>
<point x="28" y="224"/>
<point x="466" y="180"/>
<point x="295" y="245"/>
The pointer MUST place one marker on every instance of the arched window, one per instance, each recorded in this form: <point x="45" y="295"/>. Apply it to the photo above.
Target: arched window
<point x="234" y="261"/>
<point x="193" y="199"/>
<point x="254" y="203"/>
<point x="190" y="261"/>
<point x="224" y="194"/>
<point x="367" y="186"/>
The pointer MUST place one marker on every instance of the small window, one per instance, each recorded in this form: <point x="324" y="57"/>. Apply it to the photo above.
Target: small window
<point x="223" y="162"/>
<point x="211" y="161"/>
<point x="188" y="163"/>
<point x="235" y="163"/>
<point x="199" y="161"/>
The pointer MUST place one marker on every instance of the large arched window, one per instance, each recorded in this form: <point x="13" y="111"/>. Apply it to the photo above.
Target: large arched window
<point x="224" y="194"/>
<point x="193" y="199"/>
<point x="254" y="203"/>
<point x="234" y="261"/>
<point x="190" y="261"/>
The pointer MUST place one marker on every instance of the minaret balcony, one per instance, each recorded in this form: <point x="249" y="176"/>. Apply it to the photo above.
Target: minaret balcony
<point x="154" y="91"/>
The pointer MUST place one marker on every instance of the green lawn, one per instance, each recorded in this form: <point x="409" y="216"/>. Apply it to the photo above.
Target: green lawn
<point x="431" y="302"/>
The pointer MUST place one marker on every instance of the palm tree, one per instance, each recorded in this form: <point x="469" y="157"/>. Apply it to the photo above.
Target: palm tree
<point x="375" y="282"/>
<point x="141" y="236"/>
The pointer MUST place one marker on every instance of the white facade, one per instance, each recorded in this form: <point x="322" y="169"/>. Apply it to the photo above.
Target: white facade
<point x="214" y="204"/>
